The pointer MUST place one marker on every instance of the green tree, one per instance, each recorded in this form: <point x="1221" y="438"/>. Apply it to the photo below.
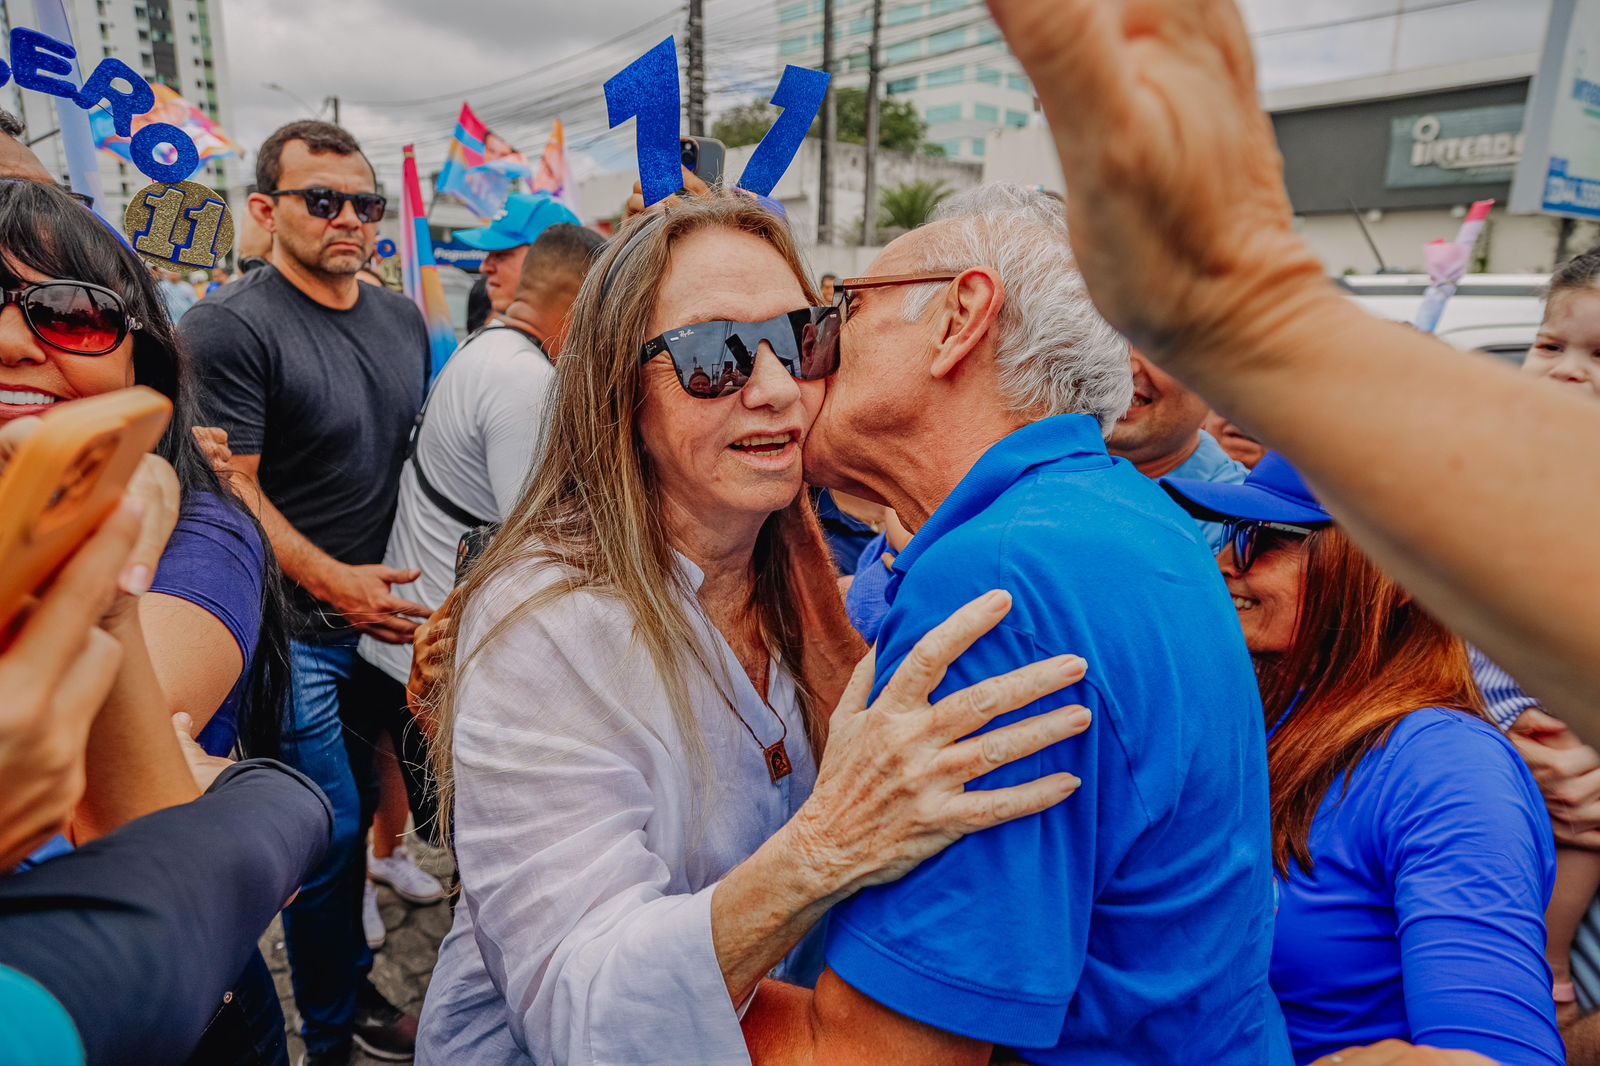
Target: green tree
<point x="900" y="127"/>
<point x="910" y="204"/>
<point x="745" y="124"/>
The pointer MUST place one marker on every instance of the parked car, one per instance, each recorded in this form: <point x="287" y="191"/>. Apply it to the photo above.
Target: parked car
<point x="1494" y="313"/>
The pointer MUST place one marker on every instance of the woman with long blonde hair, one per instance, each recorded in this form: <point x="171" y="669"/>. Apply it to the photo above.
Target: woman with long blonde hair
<point x="649" y="662"/>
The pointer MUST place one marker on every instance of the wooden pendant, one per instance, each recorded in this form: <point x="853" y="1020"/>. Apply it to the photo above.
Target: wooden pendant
<point x="778" y="765"/>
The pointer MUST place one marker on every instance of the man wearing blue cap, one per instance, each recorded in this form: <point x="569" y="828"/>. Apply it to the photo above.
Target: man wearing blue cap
<point x="507" y="238"/>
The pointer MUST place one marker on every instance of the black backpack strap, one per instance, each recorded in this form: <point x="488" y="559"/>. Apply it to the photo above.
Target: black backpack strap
<point x="435" y="497"/>
<point x="443" y="502"/>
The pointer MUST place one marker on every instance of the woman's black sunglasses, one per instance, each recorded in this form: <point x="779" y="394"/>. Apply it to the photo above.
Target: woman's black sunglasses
<point x="74" y="316"/>
<point x="327" y="203"/>
<point x="715" y="359"/>
<point x="1244" y="536"/>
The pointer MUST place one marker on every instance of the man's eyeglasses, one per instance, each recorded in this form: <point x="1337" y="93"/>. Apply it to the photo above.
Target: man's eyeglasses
<point x="849" y="286"/>
<point x="1244" y="536"/>
<point x="328" y="203"/>
<point x="83" y="198"/>
<point x="74" y="316"/>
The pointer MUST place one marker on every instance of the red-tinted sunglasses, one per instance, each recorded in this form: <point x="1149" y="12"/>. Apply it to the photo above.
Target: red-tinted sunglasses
<point x="75" y="316"/>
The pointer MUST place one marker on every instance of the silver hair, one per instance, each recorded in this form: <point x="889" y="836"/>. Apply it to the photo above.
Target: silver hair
<point x="1056" y="354"/>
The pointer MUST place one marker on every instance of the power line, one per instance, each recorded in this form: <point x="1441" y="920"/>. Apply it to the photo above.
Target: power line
<point x="518" y="112"/>
<point x="496" y="112"/>
<point x="511" y="112"/>
<point x="578" y="92"/>
<point x="578" y="101"/>
<point x="670" y="16"/>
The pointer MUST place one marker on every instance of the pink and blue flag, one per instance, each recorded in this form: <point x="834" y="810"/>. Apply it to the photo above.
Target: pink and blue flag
<point x="418" y="269"/>
<point x="207" y="136"/>
<point x="554" y="174"/>
<point x="482" y="169"/>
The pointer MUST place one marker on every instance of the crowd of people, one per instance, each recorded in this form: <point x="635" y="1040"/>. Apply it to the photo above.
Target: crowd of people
<point x="1085" y="637"/>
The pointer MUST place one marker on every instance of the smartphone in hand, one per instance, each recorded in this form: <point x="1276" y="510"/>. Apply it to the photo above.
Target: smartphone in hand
<point x="704" y="156"/>
<point x="64" y="479"/>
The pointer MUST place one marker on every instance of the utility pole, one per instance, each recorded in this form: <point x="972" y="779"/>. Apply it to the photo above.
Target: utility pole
<point x="869" y="217"/>
<point x="697" y="68"/>
<point x="830" y="115"/>
<point x="334" y="100"/>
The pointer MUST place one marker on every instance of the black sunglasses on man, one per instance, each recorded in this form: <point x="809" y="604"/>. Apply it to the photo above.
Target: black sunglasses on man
<point x="328" y="203"/>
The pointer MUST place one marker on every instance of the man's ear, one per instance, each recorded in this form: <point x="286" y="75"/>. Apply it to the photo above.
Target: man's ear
<point x="263" y="209"/>
<point x="968" y="315"/>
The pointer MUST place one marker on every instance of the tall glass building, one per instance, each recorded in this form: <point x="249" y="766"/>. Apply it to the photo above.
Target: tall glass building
<point x="177" y="43"/>
<point x="944" y="56"/>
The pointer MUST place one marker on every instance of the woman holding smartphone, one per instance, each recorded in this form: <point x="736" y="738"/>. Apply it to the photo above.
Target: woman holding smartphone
<point x="83" y="317"/>
<point x="202" y="635"/>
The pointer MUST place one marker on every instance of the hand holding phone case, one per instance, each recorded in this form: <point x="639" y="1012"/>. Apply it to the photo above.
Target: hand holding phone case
<point x="64" y="480"/>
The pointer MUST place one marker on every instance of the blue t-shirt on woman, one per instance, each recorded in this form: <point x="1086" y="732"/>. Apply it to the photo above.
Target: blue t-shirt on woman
<point x="1423" y="917"/>
<point x="215" y="560"/>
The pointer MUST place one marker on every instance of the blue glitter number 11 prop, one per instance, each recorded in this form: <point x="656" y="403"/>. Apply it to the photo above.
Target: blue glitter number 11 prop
<point x="800" y="94"/>
<point x="647" y="90"/>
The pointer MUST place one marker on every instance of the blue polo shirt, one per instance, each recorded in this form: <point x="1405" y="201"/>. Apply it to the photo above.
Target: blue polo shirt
<point x="1133" y="922"/>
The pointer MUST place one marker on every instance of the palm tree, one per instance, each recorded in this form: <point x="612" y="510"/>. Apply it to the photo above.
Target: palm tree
<point x="909" y="205"/>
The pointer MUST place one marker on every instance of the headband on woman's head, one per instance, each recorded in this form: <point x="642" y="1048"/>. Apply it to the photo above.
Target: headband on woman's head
<point x="628" y="250"/>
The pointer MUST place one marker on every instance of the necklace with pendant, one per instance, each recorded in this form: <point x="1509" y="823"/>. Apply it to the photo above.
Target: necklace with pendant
<point x="776" y="756"/>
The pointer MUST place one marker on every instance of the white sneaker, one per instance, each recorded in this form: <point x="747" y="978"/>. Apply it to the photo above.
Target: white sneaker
<point x="371" y="921"/>
<point x="410" y="882"/>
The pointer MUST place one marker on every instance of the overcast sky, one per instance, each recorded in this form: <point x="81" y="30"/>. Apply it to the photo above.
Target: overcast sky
<point x="402" y="67"/>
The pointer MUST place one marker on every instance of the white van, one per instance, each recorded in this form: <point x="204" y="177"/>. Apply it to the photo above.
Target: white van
<point x="1494" y="313"/>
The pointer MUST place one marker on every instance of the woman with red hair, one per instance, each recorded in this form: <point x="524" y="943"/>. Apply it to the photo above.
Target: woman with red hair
<point x="1413" y="852"/>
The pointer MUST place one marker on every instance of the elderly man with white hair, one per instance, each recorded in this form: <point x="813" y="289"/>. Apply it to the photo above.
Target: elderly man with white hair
<point x="1133" y="923"/>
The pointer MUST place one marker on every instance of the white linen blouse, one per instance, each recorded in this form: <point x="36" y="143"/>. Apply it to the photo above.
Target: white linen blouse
<point x="589" y="841"/>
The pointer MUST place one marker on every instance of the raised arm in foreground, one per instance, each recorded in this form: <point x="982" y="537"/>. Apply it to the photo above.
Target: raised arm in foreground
<point x="1434" y="461"/>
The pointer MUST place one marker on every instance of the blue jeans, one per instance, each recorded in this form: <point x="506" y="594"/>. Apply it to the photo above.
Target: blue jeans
<point x="328" y="955"/>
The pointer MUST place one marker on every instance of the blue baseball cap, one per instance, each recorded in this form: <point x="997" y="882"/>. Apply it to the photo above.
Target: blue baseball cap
<point x="527" y="215"/>
<point x="1274" y="492"/>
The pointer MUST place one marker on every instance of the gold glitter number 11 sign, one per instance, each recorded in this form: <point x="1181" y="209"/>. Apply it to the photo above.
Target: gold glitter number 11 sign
<point x="185" y="223"/>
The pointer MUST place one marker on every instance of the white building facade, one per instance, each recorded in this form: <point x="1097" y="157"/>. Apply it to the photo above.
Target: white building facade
<point x="1395" y="158"/>
<point x="177" y="43"/>
<point x="946" y="57"/>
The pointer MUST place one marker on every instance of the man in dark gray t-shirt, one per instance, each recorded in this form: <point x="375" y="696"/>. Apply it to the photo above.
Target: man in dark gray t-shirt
<point x="326" y="399"/>
<point x="317" y="380"/>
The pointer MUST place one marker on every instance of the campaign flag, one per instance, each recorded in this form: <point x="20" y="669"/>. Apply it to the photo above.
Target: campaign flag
<point x="482" y="169"/>
<point x="554" y="175"/>
<point x="420" y="273"/>
<point x="172" y="108"/>
<point x="76" y="134"/>
<point x="1447" y="265"/>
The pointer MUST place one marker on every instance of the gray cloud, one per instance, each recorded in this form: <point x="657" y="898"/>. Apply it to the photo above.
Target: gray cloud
<point x="401" y="50"/>
<point x="398" y="50"/>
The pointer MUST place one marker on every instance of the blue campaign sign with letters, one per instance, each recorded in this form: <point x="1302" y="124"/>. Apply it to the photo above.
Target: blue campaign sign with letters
<point x="1560" y="171"/>
<point x="37" y="63"/>
<point x="455" y="254"/>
